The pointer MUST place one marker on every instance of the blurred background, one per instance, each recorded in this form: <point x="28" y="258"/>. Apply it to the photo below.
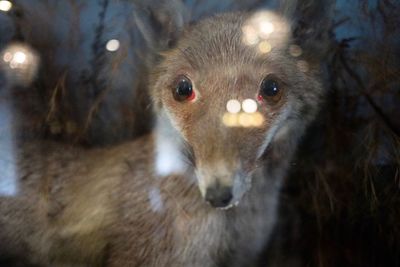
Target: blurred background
<point x="76" y="71"/>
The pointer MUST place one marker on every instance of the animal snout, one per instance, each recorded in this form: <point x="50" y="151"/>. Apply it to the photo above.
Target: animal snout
<point x="219" y="196"/>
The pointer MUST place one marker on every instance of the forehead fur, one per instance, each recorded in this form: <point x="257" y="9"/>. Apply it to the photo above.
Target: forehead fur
<point x="214" y="41"/>
<point x="220" y="41"/>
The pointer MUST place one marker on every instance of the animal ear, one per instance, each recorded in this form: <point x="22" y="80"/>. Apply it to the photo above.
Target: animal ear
<point x="311" y="23"/>
<point x="160" y="22"/>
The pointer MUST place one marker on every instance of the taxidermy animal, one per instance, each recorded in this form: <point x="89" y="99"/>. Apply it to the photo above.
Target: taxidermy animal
<point x="200" y="190"/>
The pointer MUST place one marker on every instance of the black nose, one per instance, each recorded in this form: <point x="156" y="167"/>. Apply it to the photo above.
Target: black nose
<point x="219" y="196"/>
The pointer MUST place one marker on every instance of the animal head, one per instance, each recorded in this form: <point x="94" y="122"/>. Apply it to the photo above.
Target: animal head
<point x="233" y="87"/>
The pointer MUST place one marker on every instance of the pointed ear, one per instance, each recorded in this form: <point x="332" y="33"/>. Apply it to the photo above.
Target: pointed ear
<point x="311" y="23"/>
<point x="160" y="22"/>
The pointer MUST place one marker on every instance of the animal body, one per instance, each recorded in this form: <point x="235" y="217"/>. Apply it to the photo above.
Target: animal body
<point x="195" y="192"/>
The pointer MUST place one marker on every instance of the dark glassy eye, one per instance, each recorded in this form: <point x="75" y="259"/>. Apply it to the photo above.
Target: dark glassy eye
<point x="183" y="90"/>
<point x="270" y="89"/>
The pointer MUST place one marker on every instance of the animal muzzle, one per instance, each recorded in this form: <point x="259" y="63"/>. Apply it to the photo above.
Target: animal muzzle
<point x="219" y="196"/>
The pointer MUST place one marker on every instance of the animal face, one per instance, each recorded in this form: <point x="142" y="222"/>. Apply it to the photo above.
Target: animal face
<point x="230" y="100"/>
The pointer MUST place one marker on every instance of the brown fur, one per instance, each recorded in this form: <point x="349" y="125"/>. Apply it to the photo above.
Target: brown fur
<point x="112" y="207"/>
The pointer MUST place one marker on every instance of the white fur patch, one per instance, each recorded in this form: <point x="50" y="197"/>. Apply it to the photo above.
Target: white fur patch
<point x="8" y="172"/>
<point x="169" y="158"/>
<point x="156" y="202"/>
<point x="8" y="177"/>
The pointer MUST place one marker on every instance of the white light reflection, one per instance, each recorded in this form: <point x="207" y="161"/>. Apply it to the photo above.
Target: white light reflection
<point x="113" y="45"/>
<point x="234" y="117"/>
<point x="19" y="57"/>
<point x="155" y="199"/>
<point x="233" y="106"/>
<point x="5" y="5"/>
<point x="249" y="106"/>
<point x="20" y="64"/>
<point x="250" y="35"/>
<point x="267" y="30"/>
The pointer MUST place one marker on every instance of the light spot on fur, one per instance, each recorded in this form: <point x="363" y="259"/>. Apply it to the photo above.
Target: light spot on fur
<point x="155" y="199"/>
<point x="233" y="106"/>
<point x="249" y="106"/>
<point x="264" y="47"/>
<point x="242" y="119"/>
<point x="265" y="25"/>
<point x="295" y="51"/>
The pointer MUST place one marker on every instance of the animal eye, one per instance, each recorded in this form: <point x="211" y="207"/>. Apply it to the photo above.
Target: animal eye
<point x="270" y="89"/>
<point x="183" y="90"/>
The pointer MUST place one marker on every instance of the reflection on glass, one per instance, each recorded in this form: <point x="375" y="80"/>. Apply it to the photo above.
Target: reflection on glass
<point x="295" y="51"/>
<point x="266" y="30"/>
<point x="264" y="47"/>
<point x="233" y="106"/>
<point x="20" y="64"/>
<point x="5" y="5"/>
<point x="112" y="45"/>
<point x="249" y="106"/>
<point x="242" y="114"/>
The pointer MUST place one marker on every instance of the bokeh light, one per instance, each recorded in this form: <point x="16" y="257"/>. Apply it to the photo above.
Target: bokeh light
<point x="245" y="120"/>
<point x="7" y="57"/>
<point x="249" y="106"/>
<point x="230" y="119"/>
<point x="295" y="51"/>
<point x="250" y="35"/>
<point x="266" y="30"/>
<point x="5" y="5"/>
<point x="258" y="119"/>
<point x="20" y="63"/>
<point x="19" y="57"/>
<point x="233" y="106"/>
<point x="264" y="47"/>
<point x="113" y="45"/>
<point x="244" y="115"/>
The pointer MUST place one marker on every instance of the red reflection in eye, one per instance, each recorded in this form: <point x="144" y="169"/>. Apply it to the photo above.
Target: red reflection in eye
<point x="260" y="98"/>
<point x="192" y="96"/>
